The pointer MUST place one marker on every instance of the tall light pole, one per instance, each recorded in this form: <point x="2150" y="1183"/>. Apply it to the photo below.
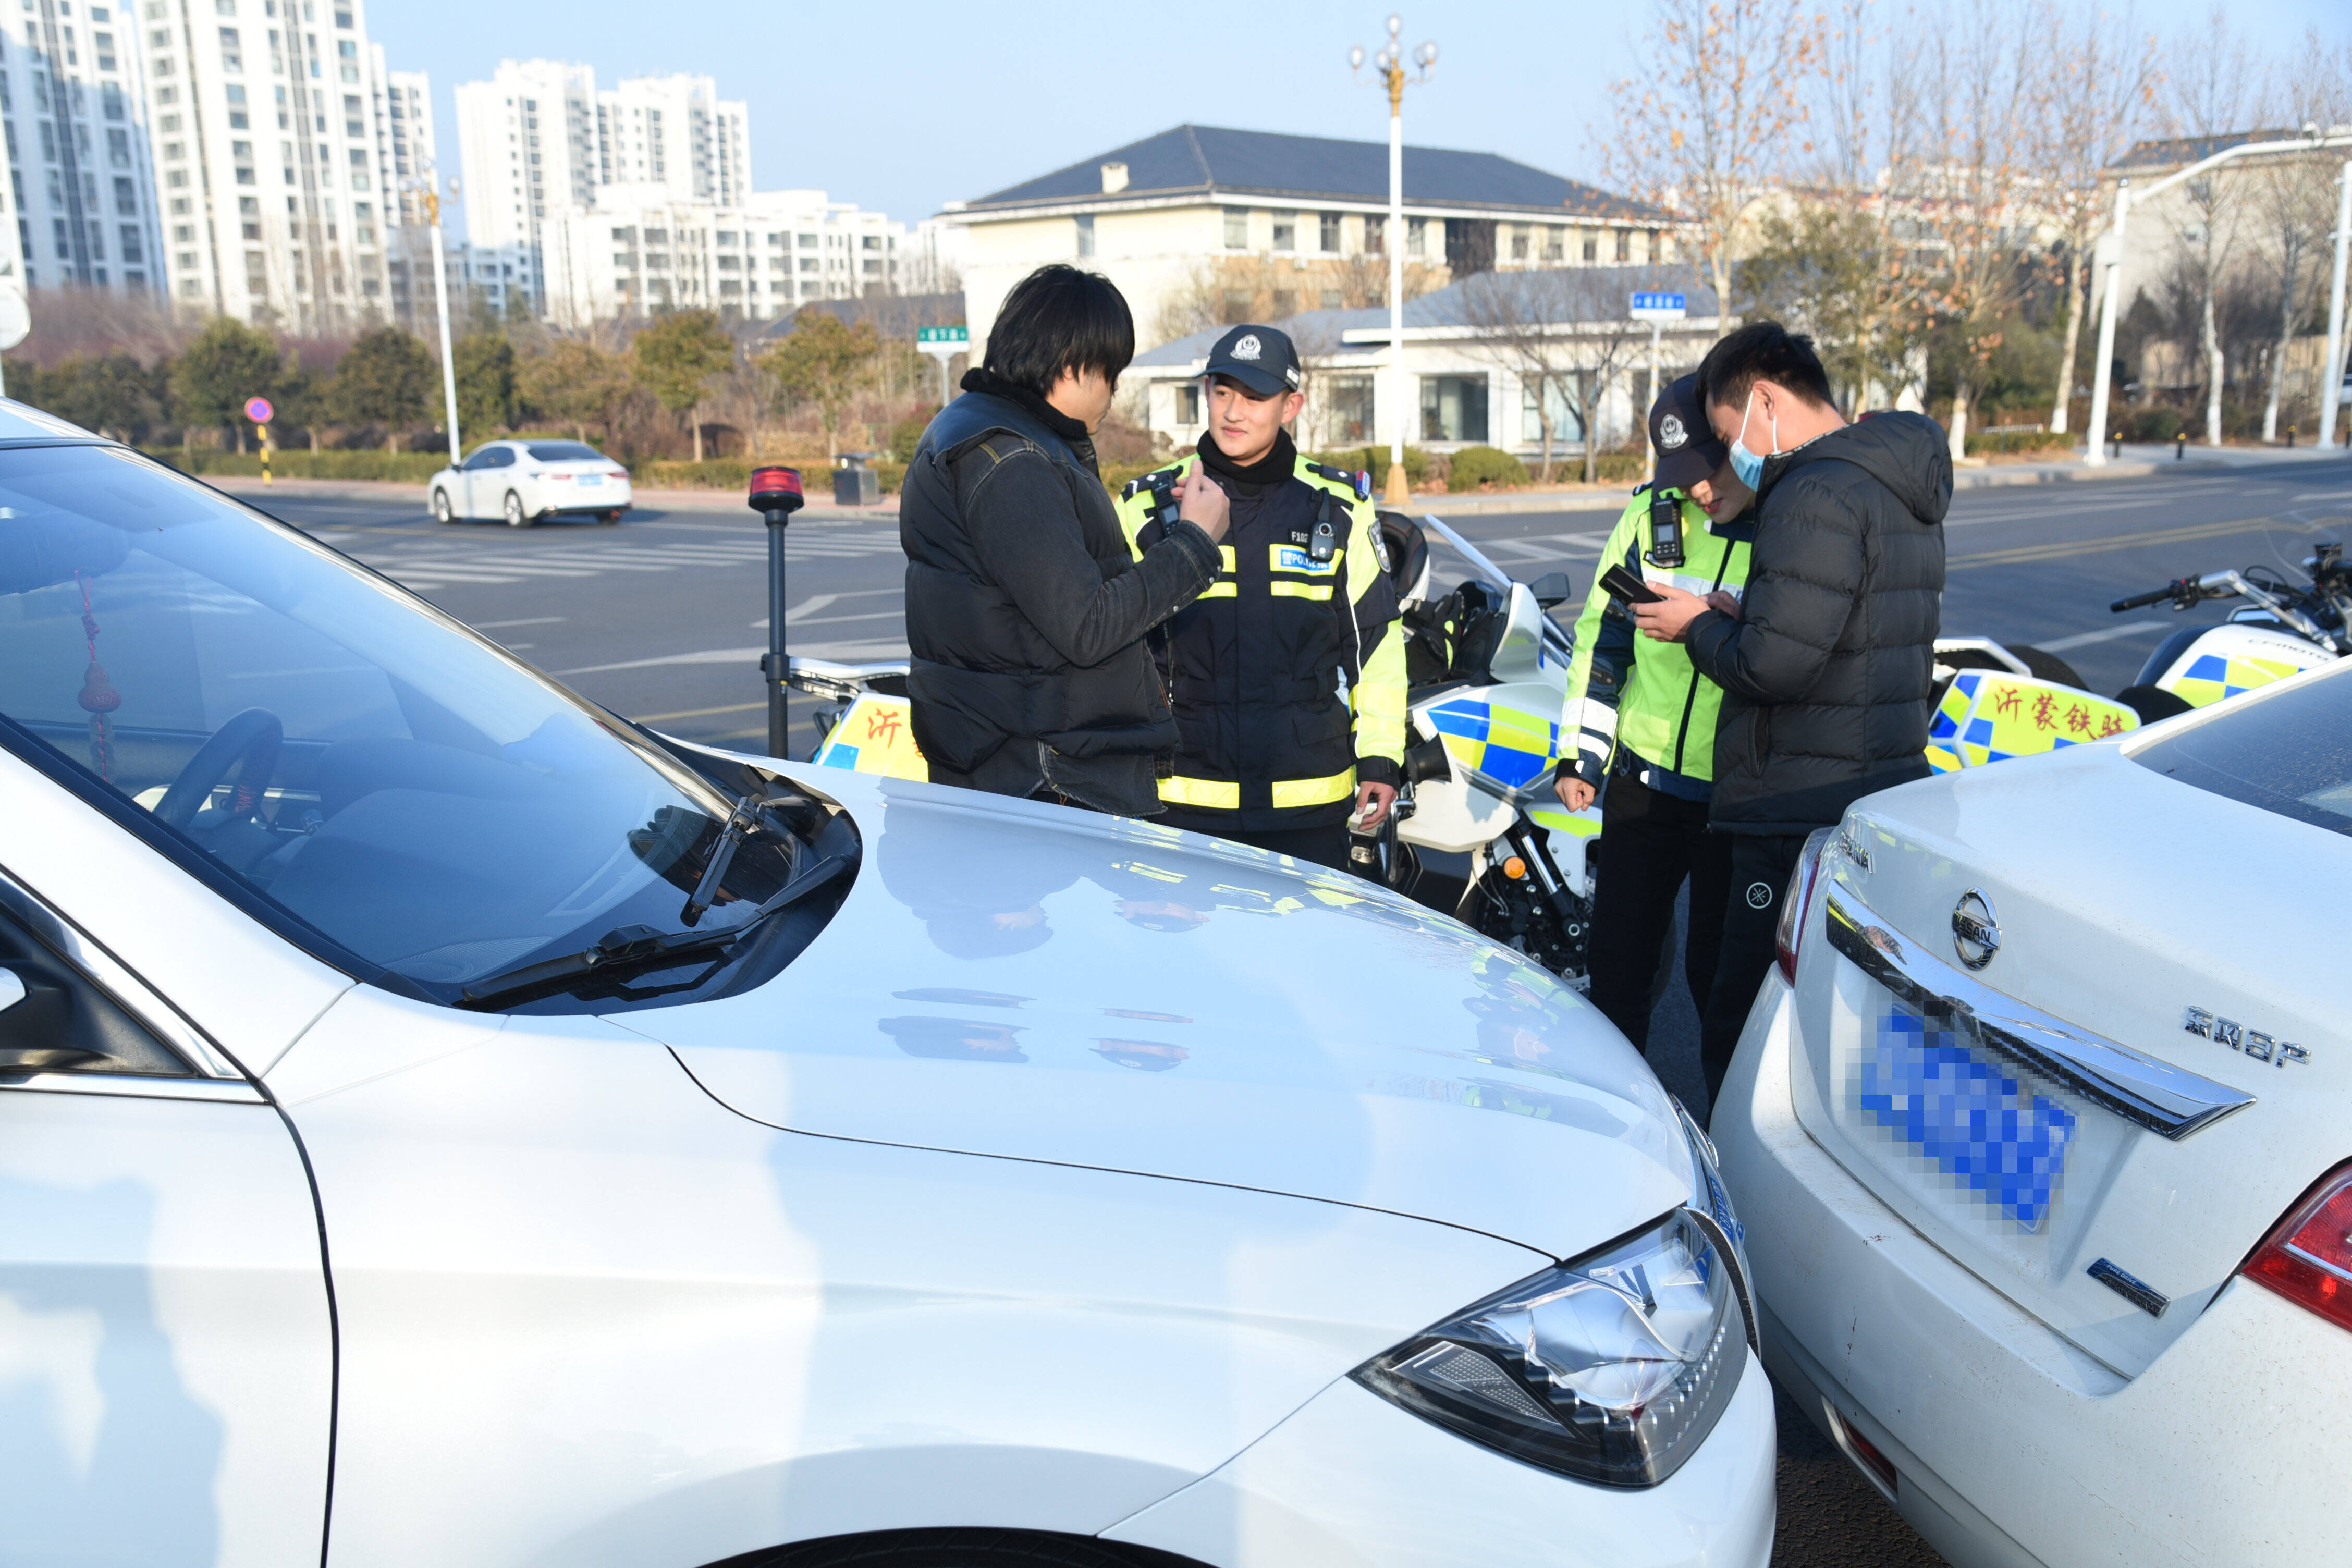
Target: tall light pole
<point x="2112" y="264"/>
<point x="429" y="186"/>
<point x="2331" y="386"/>
<point x="1389" y="63"/>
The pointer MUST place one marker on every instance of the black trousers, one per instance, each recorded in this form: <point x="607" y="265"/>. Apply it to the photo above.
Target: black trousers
<point x="1325" y="846"/>
<point x="1650" y="844"/>
<point x="1760" y="867"/>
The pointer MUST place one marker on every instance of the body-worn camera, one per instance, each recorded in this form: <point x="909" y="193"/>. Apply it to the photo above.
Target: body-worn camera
<point x="1666" y="528"/>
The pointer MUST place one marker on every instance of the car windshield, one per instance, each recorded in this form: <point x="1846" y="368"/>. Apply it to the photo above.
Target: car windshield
<point x="566" y="452"/>
<point x="361" y="763"/>
<point x="2290" y="754"/>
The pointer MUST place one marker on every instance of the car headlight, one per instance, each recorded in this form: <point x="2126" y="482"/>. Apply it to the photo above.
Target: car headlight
<point x="1611" y="1368"/>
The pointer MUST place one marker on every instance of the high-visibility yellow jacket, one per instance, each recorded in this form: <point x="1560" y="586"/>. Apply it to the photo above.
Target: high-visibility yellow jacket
<point x="1634" y="693"/>
<point x="1287" y="674"/>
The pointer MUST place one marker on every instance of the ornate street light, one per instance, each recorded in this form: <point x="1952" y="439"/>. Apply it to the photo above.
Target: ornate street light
<point x="1389" y="63"/>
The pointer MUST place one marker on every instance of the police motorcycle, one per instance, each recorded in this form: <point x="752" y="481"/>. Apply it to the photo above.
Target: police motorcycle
<point x="1477" y="831"/>
<point x="1994" y="702"/>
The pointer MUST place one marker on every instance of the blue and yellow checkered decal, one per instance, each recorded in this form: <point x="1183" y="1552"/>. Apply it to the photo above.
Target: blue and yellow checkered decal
<point x="1990" y="716"/>
<point x="1505" y="744"/>
<point x="2211" y="677"/>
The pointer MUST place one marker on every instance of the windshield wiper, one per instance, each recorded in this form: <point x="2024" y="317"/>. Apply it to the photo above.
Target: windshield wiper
<point x="743" y="821"/>
<point x="636" y="948"/>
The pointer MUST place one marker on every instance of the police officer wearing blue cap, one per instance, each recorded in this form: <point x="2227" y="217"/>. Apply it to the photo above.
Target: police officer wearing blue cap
<point x="1287" y="674"/>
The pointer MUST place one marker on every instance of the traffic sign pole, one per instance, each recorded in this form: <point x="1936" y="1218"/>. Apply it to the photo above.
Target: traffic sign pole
<point x="259" y="410"/>
<point x="943" y="344"/>
<point x="1657" y="308"/>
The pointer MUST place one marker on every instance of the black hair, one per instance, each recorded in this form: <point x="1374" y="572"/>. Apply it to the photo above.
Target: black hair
<point x="1762" y="351"/>
<point x="1059" y="318"/>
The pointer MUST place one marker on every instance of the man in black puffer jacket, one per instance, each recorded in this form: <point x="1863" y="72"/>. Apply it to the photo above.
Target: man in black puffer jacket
<point x="1827" y="661"/>
<point x="1026" y="610"/>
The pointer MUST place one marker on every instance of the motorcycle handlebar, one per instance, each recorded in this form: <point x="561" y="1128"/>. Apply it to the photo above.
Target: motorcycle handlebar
<point x="2156" y="597"/>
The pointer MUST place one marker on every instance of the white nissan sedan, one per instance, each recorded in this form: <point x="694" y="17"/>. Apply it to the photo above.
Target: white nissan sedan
<point x="519" y="482"/>
<point x="441" y="1123"/>
<point x="2044" y="1137"/>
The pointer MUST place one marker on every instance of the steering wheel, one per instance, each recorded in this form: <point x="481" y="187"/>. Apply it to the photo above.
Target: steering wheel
<point x="247" y="745"/>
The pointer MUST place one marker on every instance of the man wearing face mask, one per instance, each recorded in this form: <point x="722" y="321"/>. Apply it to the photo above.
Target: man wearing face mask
<point x="1643" y="719"/>
<point x="1287" y="674"/>
<point x="1826" y="661"/>
<point x="1026" y="610"/>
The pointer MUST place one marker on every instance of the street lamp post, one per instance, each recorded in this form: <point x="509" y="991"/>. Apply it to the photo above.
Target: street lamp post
<point x="2331" y="386"/>
<point x="1389" y="63"/>
<point x="428" y="185"/>
<point x="2112" y="265"/>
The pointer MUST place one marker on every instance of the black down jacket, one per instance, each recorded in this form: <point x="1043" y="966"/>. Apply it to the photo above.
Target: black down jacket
<point x="1827" y="670"/>
<point x="1026" y="612"/>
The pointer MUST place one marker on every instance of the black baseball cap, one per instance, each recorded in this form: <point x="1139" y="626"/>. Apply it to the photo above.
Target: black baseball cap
<point x="1258" y="357"/>
<point x="1686" y="445"/>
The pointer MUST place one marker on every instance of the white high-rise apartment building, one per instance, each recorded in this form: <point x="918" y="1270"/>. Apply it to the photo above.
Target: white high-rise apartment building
<point x="265" y="134"/>
<point x="404" y="137"/>
<point x="674" y="131"/>
<point x="527" y="140"/>
<point x="636" y="251"/>
<point x="72" y="101"/>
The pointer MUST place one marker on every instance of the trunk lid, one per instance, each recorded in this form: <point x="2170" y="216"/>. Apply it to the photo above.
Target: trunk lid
<point x="2065" y="1133"/>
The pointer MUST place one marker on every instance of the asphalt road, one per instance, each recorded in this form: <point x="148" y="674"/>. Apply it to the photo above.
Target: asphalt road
<point x="662" y="618"/>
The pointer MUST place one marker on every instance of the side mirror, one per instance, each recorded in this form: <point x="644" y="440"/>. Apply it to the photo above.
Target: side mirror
<point x="1552" y="588"/>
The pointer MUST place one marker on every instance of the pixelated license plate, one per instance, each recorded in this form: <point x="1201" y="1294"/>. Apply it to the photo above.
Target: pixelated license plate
<point x="1982" y="1127"/>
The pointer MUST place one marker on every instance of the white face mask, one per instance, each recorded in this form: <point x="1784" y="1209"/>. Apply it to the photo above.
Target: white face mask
<point x="1748" y="465"/>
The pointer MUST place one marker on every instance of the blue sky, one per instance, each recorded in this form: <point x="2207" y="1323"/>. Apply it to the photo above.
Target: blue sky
<point x="903" y="106"/>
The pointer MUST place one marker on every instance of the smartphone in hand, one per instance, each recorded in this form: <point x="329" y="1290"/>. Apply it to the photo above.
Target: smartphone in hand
<point x="1620" y="583"/>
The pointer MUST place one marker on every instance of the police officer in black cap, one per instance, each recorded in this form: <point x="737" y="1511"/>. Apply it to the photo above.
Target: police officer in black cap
<point x="1643" y="720"/>
<point x="1288" y="673"/>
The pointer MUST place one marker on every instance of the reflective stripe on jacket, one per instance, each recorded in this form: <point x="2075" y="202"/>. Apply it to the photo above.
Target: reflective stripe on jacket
<point x="1286" y="675"/>
<point x="1629" y="691"/>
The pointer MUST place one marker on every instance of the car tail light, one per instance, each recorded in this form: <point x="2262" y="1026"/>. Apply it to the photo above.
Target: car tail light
<point x="617" y="473"/>
<point x="2308" y="1258"/>
<point x="558" y="476"/>
<point x="1798" y="903"/>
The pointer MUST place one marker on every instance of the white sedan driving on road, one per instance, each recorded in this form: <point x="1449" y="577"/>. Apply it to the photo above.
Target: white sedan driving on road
<point x="441" y="1123"/>
<point x="2043" y="1136"/>
<point x="519" y="482"/>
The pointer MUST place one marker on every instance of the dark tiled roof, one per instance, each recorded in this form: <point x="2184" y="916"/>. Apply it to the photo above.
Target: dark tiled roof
<point x="2173" y="151"/>
<point x="1566" y="294"/>
<point x="1202" y="158"/>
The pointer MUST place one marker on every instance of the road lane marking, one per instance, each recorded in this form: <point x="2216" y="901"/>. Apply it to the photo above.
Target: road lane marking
<point x="695" y="712"/>
<point x="707" y="655"/>
<point x="2104" y="634"/>
<point x="2057" y="549"/>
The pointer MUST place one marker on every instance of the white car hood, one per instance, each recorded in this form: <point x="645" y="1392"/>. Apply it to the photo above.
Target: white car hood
<point x="1021" y="980"/>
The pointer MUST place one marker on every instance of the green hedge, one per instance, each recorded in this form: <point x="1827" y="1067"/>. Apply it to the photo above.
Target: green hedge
<point x="1980" y="441"/>
<point x="409" y="467"/>
<point x="1375" y="460"/>
<point x="735" y="474"/>
<point x="1473" y="466"/>
<point x="2155" y="423"/>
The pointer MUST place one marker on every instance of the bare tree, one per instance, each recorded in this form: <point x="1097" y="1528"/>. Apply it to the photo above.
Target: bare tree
<point x="2102" y="92"/>
<point x="2294" y="199"/>
<point x="1986" y="97"/>
<point x="2213" y="91"/>
<point x="1564" y="331"/>
<point x="1720" y="116"/>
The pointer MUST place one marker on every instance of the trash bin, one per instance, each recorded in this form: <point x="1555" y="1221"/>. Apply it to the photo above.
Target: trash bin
<point x="854" y="482"/>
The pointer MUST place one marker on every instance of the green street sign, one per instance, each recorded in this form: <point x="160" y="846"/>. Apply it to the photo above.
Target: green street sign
<point x="943" y="335"/>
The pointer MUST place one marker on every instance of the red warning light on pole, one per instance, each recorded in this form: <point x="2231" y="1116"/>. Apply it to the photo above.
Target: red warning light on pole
<point x="776" y="489"/>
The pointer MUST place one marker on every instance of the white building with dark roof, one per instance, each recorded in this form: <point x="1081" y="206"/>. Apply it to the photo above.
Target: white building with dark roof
<point x="1201" y="227"/>
<point x="1478" y="356"/>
